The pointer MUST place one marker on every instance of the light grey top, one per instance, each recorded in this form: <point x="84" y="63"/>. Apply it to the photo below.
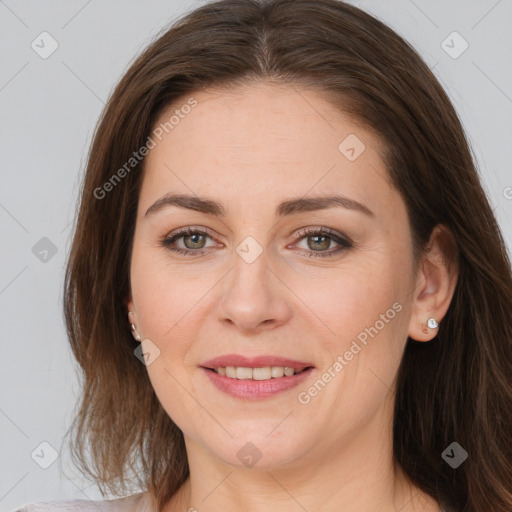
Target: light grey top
<point x="135" y="503"/>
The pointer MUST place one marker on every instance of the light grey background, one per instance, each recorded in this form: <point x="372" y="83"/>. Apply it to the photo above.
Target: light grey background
<point x="49" y="108"/>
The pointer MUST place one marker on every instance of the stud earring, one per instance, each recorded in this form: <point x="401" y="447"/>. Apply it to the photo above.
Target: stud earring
<point x="432" y="324"/>
<point x="135" y="333"/>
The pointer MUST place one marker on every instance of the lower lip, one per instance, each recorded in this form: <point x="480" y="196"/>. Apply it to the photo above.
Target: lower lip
<point x="255" y="389"/>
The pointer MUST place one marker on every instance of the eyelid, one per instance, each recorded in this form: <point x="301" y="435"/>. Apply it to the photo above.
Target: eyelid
<point x="344" y="243"/>
<point x="321" y="229"/>
<point x="187" y="229"/>
<point x="301" y="232"/>
<point x="192" y="229"/>
<point x="182" y="232"/>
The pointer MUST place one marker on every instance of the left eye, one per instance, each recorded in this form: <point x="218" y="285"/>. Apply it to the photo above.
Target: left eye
<point x="319" y="239"/>
<point x="317" y="242"/>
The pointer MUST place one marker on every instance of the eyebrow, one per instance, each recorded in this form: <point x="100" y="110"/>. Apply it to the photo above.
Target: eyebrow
<point x="289" y="207"/>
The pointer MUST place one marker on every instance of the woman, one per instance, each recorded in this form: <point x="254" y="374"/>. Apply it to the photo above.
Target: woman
<point x="281" y="208"/>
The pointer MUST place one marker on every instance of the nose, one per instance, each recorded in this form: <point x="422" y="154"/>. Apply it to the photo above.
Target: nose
<point x="254" y="297"/>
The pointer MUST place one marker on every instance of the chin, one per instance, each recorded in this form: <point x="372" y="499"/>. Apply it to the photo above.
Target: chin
<point x="255" y="448"/>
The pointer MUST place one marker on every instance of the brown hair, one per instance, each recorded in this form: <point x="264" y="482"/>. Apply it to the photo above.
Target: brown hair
<point x="455" y="388"/>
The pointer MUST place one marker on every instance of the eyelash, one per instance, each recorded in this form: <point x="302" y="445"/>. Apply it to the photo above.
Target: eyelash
<point x="344" y="242"/>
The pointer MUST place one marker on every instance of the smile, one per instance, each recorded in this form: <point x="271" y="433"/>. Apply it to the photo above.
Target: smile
<point x="264" y="373"/>
<point x="257" y="377"/>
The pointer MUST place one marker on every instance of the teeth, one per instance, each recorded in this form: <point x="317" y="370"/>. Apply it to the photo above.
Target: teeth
<point x="231" y="372"/>
<point x="243" y="373"/>
<point x="265" y="373"/>
<point x="277" y="371"/>
<point x="262" y="373"/>
<point x="289" y="371"/>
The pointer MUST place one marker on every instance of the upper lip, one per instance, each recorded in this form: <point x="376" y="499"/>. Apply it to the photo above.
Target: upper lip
<point x="254" y="362"/>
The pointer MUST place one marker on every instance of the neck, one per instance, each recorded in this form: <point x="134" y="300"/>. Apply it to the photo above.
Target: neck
<point x="361" y="475"/>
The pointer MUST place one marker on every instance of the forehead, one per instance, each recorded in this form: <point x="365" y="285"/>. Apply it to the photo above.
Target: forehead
<point x="260" y="141"/>
<point x="248" y="115"/>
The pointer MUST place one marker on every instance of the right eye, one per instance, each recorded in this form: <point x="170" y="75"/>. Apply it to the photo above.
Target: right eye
<point x="193" y="240"/>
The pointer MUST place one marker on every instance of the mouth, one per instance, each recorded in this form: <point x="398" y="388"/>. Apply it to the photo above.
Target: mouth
<point x="234" y="366"/>
<point x="261" y="373"/>
<point x="254" y="378"/>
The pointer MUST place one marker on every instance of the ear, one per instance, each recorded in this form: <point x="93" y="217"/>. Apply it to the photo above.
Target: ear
<point x="132" y="316"/>
<point x="435" y="283"/>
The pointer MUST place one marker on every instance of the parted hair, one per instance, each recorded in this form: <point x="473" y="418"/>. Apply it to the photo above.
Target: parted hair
<point x="456" y="388"/>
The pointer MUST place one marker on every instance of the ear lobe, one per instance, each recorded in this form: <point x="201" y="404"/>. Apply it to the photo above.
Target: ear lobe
<point x="435" y="284"/>
<point x="132" y="319"/>
<point x="129" y="303"/>
<point x="130" y="309"/>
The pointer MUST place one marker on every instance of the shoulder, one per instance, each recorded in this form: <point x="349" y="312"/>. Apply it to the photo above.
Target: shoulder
<point x="135" y="503"/>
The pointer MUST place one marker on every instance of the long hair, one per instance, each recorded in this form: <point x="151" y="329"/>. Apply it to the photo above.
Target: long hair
<point x="457" y="388"/>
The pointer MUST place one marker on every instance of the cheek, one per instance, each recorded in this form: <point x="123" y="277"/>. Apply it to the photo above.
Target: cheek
<point x="165" y="295"/>
<point x="167" y="303"/>
<point x="366" y="315"/>
<point x="350" y="298"/>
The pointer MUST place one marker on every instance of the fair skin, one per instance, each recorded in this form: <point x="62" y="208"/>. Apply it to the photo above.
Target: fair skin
<point x="250" y="149"/>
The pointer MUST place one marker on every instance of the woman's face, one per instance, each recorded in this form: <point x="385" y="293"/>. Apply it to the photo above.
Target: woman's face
<point x="282" y="273"/>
